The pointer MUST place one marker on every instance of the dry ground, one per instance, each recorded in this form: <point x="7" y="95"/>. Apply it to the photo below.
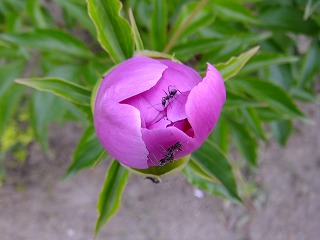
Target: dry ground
<point x="36" y="205"/>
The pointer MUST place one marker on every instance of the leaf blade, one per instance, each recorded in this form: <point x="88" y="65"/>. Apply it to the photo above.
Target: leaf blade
<point x="87" y="152"/>
<point x="110" y="196"/>
<point x="231" y="68"/>
<point x="213" y="160"/>
<point x="114" y="32"/>
<point x="67" y="90"/>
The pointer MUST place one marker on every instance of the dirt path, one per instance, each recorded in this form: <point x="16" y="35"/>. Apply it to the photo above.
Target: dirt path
<point x="35" y="205"/>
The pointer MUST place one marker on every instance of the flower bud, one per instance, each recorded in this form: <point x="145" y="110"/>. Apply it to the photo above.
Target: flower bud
<point x="150" y="112"/>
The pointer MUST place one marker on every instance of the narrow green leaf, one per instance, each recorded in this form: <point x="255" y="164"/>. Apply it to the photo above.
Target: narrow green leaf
<point x="267" y="115"/>
<point x="110" y="196"/>
<point x="33" y="8"/>
<point x="136" y="35"/>
<point x="215" y="163"/>
<point x="10" y="93"/>
<point x="114" y="33"/>
<point x="246" y="144"/>
<point x="269" y="93"/>
<point x="77" y="9"/>
<point x="197" y="169"/>
<point x="87" y="152"/>
<point x="206" y="185"/>
<point x="67" y="90"/>
<point x="253" y="122"/>
<point x="310" y="8"/>
<point x="9" y="102"/>
<point x="281" y="130"/>
<point x="8" y="73"/>
<point x="235" y="101"/>
<point x="288" y="19"/>
<point x="262" y="60"/>
<point x="192" y="17"/>
<point x="220" y="134"/>
<point x="159" y="21"/>
<point x="231" y="10"/>
<point x="310" y="65"/>
<point x="44" y="108"/>
<point x="235" y="64"/>
<point x="213" y="45"/>
<point x="49" y="40"/>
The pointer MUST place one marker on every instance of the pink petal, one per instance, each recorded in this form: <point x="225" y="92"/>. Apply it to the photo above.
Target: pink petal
<point x="118" y="127"/>
<point x="182" y="74"/>
<point x="158" y="140"/>
<point x="130" y="78"/>
<point x="176" y="76"/>
<point x="205" y="103"/>
<point x="176" y="108"/>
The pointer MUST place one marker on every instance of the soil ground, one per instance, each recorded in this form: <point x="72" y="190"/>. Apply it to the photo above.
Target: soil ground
<point x="36" y="205"/>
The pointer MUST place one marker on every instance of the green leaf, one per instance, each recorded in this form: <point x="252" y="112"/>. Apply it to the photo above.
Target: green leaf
<point x="192" y="17"/>
<point x="49" y="40"/>
<point x="310" y="65"/>
<point x="235" y="64"/>
<point x="206" y="185"/>
<point x="159" y="21"/>
<point x="44" y="108"/>
<point x="10" y="93"/>
<point x="87" y="152"/>
<point x="8" y="73"/>
<point x="263" y="60"/>
<point x="272" y="95"/>
<point x="67" y="90"/>
<point x="234" y="101"/>
<point x="254" y="122"/>
<point x="221" y="134"/>
<point x="310" y="9"/>
<point x="197" y="169"/>
<point x="33" y="8"/>
<point x="246" y="144"/>
<point x="110" y="196"/>
<point x="114" y="33"/>
<point x="281" y="130"/>
<point x="9" y="102"/>
<point x="288" y="19"/>
<point x="136" y="35"/>
<point x="231" y="10"/>
<point x="215" y="163"/>
<point x="77" y="9"/>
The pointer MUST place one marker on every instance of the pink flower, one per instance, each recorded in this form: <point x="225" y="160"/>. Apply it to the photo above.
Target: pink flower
<point x="151" y="111"/>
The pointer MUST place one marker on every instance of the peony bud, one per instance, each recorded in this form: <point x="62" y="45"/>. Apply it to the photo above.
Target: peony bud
<point x="149" y="112"/>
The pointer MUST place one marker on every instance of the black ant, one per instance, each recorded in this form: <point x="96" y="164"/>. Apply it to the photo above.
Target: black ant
<point x="168" y="96"/>
<point x="170" y="154"/>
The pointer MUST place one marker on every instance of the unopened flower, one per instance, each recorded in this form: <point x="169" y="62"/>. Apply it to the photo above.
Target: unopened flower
<point x="149" y="112"/>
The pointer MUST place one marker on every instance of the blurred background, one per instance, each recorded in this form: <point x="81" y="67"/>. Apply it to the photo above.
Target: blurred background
<point x="269" y="131"/>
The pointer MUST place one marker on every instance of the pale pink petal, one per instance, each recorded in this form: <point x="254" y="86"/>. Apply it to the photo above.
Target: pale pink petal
<point x="205" y="103"/>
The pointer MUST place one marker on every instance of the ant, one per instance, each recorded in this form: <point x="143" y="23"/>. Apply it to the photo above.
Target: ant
<point x="168" y="96"/>
<point x="170" y="154"/>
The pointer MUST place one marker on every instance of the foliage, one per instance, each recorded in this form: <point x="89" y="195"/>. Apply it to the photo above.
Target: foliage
<point x="262" y="86"/>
